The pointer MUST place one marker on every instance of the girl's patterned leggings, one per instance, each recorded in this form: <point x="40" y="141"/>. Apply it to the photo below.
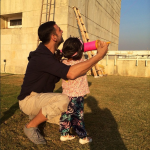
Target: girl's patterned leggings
<point x="73" y="117"/>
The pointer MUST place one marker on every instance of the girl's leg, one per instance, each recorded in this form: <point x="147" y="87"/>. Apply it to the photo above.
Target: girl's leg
<point x="65" y="120"/>
<point x="65" y="124"/>
<point x="78" y="121"/>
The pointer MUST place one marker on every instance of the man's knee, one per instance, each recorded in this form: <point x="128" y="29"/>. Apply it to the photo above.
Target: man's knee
<point x="64" y="101"/>
<point x="53" y="110"/>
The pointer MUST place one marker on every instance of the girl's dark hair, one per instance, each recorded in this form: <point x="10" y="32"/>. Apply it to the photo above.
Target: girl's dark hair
<point x="45" y="31"/>
<point x="71" y="46"/>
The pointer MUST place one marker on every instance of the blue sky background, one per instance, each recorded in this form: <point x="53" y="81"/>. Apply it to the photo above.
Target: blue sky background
<point x="134" y="25"/>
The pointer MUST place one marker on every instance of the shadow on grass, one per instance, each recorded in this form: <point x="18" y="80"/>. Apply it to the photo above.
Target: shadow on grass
<point x="102" y="128"/>
<point x="10" y="112"/>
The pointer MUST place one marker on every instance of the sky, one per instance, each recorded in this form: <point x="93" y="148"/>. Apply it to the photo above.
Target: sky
<point x="134" y="31"/>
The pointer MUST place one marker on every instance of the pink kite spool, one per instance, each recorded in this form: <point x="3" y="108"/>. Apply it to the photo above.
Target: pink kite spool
<point x="90" y="46"/>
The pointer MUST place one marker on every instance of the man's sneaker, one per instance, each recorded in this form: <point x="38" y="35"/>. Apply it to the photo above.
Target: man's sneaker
<point x="67" y="137"/>
<point x="34" y="135"/>
<point x="85" y="140"/>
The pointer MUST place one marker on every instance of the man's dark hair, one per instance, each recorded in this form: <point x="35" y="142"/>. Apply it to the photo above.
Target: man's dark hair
<point x="46" y="30"/>
<point x="71" y="46"/>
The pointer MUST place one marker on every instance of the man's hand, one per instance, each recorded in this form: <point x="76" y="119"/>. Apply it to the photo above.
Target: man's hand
<point x="102" y="48"/>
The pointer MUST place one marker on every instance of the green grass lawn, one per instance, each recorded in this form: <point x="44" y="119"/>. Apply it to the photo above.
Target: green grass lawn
<point x="117" y="116"/>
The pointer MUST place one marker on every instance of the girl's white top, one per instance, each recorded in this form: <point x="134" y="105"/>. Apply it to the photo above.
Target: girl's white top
<point x="77" y="87"/>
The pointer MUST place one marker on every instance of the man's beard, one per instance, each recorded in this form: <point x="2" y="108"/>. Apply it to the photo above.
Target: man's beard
<point x="62" y="40"/>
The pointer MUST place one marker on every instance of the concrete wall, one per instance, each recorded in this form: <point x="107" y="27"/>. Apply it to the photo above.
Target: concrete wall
<point x="16" y="43"/>
<point x="101" y="18"/>
<point x="126" y="67"/>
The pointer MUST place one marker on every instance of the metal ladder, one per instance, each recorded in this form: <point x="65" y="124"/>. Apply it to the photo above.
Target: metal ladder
<point x="46" y="12"/>
<point x="95" y="70"/>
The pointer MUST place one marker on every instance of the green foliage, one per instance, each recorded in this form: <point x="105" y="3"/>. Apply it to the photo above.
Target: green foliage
<point x="116" y="114"/>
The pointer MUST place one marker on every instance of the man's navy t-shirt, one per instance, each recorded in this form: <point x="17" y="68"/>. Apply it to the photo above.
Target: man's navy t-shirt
<point x="42" y="73"/>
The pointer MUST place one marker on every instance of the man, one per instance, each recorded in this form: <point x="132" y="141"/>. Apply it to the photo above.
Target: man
<point x="43" y="72"/>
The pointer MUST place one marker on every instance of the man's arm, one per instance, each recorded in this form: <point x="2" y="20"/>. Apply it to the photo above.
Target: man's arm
<point x="83" y="67"/>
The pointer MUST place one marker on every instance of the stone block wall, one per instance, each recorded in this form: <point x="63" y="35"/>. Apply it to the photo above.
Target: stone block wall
<point x="16" y="43"/>
<point x="101" y="18"/>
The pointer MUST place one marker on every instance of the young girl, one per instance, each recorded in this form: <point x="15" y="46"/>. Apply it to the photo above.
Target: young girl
<point x="76" y="90"/>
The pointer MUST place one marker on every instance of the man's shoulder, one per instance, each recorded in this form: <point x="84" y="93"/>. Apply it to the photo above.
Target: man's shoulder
<point x="42" y="49"/>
